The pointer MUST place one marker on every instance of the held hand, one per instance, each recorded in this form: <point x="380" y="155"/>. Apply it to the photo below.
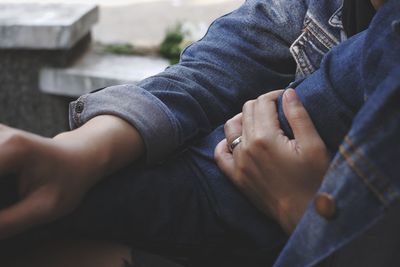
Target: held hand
<point x="49" y="180"/>
<point x="53" y="175"/>
<point x="279" y="175"/>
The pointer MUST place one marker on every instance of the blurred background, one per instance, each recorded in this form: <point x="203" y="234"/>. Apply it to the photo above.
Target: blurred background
<point x="53" y="51"/>
<point x="144" y="22"/>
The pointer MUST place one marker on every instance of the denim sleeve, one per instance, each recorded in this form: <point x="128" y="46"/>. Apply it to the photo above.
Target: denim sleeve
<point x="332" y="95"/>
<point x="243" y="55"/>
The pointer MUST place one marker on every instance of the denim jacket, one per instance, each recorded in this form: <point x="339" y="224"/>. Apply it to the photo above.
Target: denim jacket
<point x="262" y="46"/>
<point x="363" y="179"/>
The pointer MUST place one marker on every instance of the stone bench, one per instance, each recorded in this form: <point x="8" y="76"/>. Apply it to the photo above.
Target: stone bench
<point x="96" y="70"/>
<point x="45" y="26"/>
<point x="33" y="37"/>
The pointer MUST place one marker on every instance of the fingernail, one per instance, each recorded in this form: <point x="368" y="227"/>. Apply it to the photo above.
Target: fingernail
<point x="291" y="96"/>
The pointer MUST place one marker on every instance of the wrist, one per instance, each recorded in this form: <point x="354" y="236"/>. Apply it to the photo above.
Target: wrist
<point x="82" y="157"/>
<point x="102" y="145"/>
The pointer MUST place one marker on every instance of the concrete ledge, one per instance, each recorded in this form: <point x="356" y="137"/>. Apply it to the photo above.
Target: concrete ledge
<point x="45" y="26"/>
<point x="97" y="70"/>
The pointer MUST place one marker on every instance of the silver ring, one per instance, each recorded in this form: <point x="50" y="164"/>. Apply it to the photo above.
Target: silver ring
<point x="235" y="143"/>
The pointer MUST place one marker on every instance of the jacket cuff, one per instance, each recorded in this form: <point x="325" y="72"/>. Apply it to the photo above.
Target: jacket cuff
<point x="151" y="118"/>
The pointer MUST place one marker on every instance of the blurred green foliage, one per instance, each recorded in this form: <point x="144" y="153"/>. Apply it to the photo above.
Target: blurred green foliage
<point x="171" y="46"/>
<point x="175" y="40"/>
<point x="121" y="49"/>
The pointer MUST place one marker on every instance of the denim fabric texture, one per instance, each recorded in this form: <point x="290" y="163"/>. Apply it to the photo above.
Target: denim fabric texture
<point x="244" y="54"/>
<point x="332" y="96"/>
<point x="364" y="176"/>
<point x="264" y="45"/>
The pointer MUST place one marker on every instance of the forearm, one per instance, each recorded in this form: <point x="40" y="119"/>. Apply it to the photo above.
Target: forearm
<point x="103" y="145"/>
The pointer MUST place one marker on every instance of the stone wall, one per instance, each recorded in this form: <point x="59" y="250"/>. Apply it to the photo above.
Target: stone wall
<point x="22" y="105"/>
<point x="32" y="37"/>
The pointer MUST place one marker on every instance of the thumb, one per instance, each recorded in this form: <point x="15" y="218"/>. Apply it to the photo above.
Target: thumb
<point x="298" y="118"/>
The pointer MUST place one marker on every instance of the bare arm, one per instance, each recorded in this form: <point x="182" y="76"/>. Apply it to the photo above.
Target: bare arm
<point x="106" y="142"/>
<point x="53" y="175"/>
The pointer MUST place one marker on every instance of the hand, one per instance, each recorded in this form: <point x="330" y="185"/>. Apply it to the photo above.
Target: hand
<point x="53" y="175"/>
<point x="48" y="180"/>
<point x="279" y="175"/>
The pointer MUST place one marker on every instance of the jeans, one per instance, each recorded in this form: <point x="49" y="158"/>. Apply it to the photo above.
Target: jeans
<point x="164" y="209"/>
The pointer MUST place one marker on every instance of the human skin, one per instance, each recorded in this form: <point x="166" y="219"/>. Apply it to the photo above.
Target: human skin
<point x="278" y="175"/>
<point x="53" y="174"/>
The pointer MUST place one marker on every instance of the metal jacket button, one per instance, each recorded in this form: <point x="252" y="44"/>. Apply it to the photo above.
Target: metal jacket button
<point x="79" y="107"/>
<point x="325" y="205"/>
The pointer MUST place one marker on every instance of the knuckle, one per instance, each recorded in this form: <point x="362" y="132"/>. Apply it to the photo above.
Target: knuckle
<point x="230" y="121"/>
<point x="236" y="118"/>
<point x="12" y="139"/>
<point x="227" y="125"/>
<point x="264" y="97"/>
<point x="231" y="127"/>
<point x="259" y="141"/>
<point x="248" y="104"/>
<point x="255" y="144"/>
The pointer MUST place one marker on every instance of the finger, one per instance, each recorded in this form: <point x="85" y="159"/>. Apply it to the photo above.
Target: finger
<point x="266" y="116"/>
<point x="24" y="214"/>
<point x="247" y="122"/>
<point x="224" y="159"/>
<point x="274" y="95"/>
<point x="298" y="118"/>
<point x="233" y="128"/>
